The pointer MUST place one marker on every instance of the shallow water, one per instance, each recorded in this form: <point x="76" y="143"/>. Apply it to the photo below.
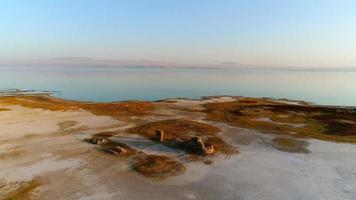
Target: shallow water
<point x="108" y="84"/>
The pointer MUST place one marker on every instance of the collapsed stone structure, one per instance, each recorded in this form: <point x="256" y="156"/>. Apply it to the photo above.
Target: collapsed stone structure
<point x="98" y="140"/>
<point x="111" y="146"/>
<point x="195" y="144"/>
<point x="117" y="150"/>
<point x="160" y="135"/>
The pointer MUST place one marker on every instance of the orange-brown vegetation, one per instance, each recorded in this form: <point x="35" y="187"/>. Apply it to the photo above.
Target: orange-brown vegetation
<point x="114" y="109"/>
<point x="321" y="122"/>
<point x="157" y="166"/>
<point x="21" y="191"/>
<point x="10" y="154"/>
<point x="179" y="131"/>
<point x="4" y="109"/>
<point x="176" y="128"/>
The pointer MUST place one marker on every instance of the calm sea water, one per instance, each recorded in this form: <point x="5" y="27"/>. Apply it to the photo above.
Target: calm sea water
<point x="104" y="84"/>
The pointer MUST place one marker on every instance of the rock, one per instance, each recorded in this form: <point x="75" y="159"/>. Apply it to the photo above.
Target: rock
<point x="98" y="140"/>
<point x="117" y="150"/>
<point x="160" y="135"/>
<point x="102" y="141"/>
<point x="198" y="142"/>
<point x="209" y="150"/>
<point x="195" y="144"/>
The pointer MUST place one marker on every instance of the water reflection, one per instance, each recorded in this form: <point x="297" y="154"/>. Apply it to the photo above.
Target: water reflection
<point x="98" y="84"/>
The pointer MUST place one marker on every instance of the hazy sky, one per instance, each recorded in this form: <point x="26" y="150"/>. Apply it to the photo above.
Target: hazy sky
<point x="264" y="32"/>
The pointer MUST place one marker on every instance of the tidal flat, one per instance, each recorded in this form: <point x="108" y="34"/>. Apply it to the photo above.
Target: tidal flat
<point x="220" y="147"/>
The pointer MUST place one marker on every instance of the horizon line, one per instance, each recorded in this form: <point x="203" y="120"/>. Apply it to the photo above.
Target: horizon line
<point x="83" y="62"/>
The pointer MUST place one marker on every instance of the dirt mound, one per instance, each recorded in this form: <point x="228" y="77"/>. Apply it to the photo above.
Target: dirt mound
<point x="178" y="132"/>
<point x="176" y="128"/>
<point x="157" y="166"/>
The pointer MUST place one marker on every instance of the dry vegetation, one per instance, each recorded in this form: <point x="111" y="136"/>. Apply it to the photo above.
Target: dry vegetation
<point x="325" y="123"/>
<point x="10" y="154"/>
<point x="19" y="191"/>
<point x="178" y="133"/>
<point x="4" y="109"/>
<point x="263" y="115"/>
<point x="67" y="124"/>
<point x="183" y="130"/>
<point x="114" y="109"/>
<point x="176" y="128"/>
<point x="157" y="166"/>
<point x="290" y="145"/>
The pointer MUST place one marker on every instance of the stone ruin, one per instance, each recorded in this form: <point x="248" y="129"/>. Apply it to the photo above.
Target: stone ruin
<point x="195" y="144"/>
<point x="160" y="135"/>
<point x="110" y="146"/>
<point x="117" y="150"/>
<point x="99" y="140"/>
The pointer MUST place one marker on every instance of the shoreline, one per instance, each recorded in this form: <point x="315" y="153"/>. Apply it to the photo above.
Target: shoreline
<point x="17" y="92"/>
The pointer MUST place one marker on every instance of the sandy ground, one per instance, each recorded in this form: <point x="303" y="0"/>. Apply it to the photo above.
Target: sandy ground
<point x="47" y="146"/>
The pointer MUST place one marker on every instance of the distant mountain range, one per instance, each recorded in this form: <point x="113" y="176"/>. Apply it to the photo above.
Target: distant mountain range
<point x="91" y="62"/>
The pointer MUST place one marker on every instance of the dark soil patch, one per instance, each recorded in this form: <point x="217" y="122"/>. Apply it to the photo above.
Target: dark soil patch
<point x="339" y="124"/>
<point x="66" y="124"/>
<point x="290" y="145"/>
<point x="208" y="162"/>
<point x="106" y="134"/>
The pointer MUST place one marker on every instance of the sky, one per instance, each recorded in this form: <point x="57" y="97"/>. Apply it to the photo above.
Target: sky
<point x="319" y="33"/>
